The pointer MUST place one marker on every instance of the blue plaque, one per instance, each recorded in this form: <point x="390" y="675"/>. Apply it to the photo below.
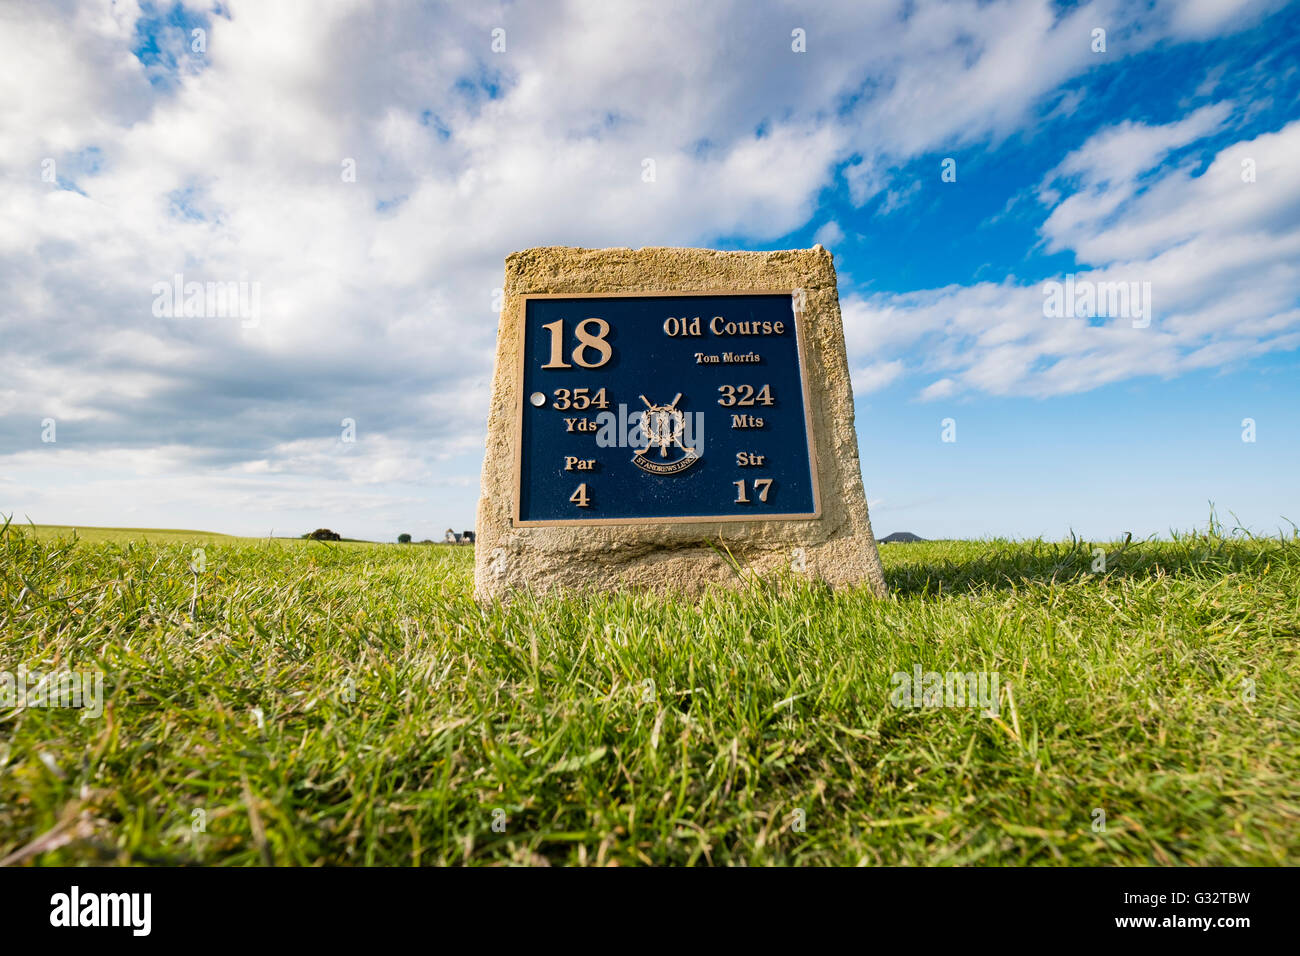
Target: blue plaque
<point x="663" y="408"/>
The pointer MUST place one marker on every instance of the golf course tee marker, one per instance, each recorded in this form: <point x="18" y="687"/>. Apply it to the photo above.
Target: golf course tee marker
<point x="661" y="418"/>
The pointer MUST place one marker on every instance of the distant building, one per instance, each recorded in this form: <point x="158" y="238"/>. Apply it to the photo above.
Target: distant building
<point x="901" y="537"/>
<point x="451" y="537"/>
<point x="467" y="537"/>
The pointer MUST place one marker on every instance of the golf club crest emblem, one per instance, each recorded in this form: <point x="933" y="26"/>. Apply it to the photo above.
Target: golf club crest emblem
<point x="663" y="427"/>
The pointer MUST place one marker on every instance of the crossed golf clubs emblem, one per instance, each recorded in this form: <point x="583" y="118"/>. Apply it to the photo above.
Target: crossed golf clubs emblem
<point x="663" y="427"/>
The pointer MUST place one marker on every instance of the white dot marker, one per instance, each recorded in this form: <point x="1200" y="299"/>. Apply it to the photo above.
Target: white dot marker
<point x="538" y="399"/>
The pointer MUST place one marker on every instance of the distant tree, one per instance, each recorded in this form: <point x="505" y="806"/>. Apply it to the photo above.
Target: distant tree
<point x="325" y="534"/>
<point x="403" y="538"/>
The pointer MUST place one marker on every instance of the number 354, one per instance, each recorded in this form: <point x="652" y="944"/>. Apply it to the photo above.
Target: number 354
<point x="579" y="399"/>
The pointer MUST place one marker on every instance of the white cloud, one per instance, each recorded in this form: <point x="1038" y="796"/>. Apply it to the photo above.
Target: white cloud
<point x="1107" y="168"/>
<point x="878" y="375"/>
<point x="1222" y="257"/>
<point x="1200" y="19"/>
<point x="829" y="235"/>
<point x="939" y="389"/>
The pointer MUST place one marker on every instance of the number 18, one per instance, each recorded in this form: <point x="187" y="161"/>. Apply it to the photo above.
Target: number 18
<point x="586" y="340"/>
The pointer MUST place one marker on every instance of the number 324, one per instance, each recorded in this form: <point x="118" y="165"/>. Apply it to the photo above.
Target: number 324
<point x="744" y="395"/>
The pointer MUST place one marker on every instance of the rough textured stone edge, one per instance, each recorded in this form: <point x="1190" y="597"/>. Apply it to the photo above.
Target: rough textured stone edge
<point x="837" y="548"/>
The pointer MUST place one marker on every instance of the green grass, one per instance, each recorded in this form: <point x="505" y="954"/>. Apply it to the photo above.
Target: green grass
<point x="94" y="535"/>
<point x="125" y="535"/>
<point x="352" y="705"/>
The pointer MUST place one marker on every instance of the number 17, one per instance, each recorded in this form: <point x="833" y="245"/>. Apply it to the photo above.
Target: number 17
<point x="761" y="486"/>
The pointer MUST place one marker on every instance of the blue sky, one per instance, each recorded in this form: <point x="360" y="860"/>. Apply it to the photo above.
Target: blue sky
<point x="368" y="173"/>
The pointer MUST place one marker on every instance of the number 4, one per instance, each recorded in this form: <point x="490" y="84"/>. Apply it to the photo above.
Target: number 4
<point x="580" y="497"/>
<point x="761" y="485"/>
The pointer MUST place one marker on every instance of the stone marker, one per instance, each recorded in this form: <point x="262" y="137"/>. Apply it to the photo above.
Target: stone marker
<point x="654" y="410"/>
